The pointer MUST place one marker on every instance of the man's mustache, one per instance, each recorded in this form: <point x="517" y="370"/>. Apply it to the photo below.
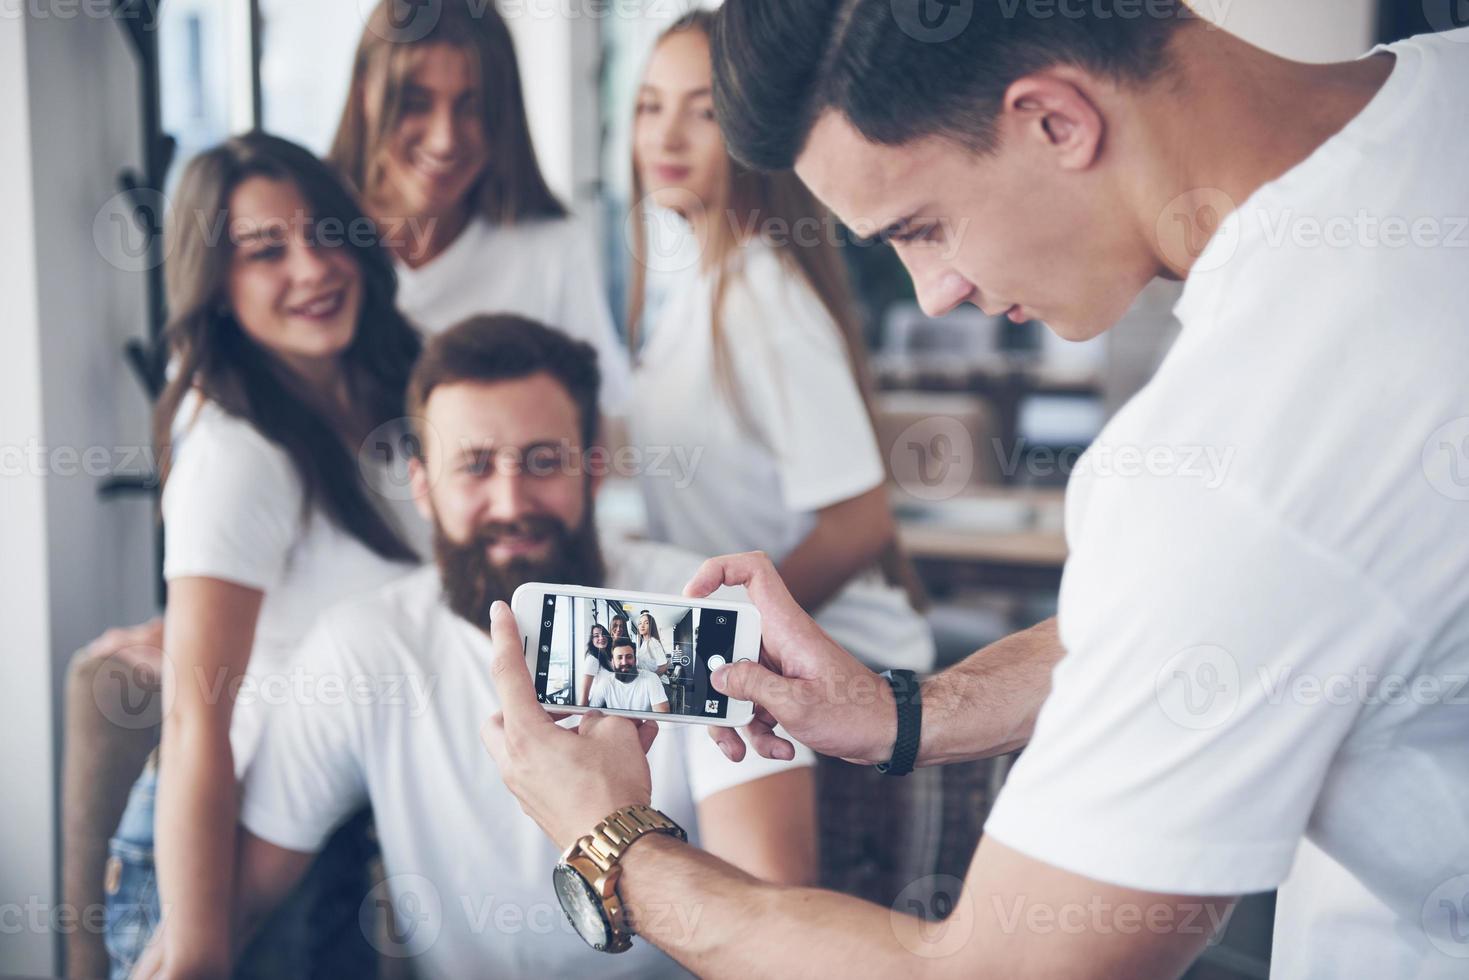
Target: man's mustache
<point x="494" y="532"/>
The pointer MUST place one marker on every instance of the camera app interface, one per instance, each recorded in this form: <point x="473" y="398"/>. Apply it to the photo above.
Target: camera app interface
<point x="632" y="656"/>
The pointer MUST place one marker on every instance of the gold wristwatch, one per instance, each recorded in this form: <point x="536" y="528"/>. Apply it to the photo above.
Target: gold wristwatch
<point x="587" y="875"/>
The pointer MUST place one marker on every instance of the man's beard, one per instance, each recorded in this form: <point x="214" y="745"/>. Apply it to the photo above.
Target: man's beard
<point x="472" y="583"/>
<point x="627" y="677"/>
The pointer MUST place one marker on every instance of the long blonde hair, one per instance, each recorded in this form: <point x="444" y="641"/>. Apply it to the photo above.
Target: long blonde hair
<point x="780" y="200"/>
<point x="512" y="188"/>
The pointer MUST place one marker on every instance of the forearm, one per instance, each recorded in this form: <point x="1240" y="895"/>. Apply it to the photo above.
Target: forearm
<point x="720" y="922"/>
<point x="847" y="540"/>
<point x="195" y="848"/>
<point x="987" y="705"/>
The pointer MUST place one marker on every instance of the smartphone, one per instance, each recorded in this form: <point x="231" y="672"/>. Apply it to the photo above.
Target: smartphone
<point x="633" y="653"/>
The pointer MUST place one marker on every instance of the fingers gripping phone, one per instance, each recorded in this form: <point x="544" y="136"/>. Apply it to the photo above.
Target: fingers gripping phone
<point x="633" y="653"/>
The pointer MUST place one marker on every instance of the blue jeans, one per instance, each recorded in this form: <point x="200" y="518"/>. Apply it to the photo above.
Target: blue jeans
<point x="314" y="933"/>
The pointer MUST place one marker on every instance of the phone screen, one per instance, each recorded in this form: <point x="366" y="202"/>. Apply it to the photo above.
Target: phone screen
<point x="632" y="656"/>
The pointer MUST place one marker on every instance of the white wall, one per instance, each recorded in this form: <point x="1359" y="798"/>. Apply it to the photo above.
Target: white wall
<point x="72" y="563"/>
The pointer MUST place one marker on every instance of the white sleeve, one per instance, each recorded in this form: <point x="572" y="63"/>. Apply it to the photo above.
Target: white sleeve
<point x="709" y="772"/>
<point x="586" y="315"/>
<point x="232" y="507"/>
<point x="597" y="697"/>
<point x="658" y="653"/>
<point x="1178" y="751"/>
<point x="797" y="383"/>
<point x="306" y="777"/>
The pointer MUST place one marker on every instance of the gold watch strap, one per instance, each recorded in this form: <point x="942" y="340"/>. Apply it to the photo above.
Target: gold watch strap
<point x="611" y="838"/>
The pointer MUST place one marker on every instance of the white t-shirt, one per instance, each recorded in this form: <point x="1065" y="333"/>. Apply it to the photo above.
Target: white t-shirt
<point x="651" y="654"/>
<point x="232" y="510"/>
<point x="728" y="492"/>
<point x="1266" y="609"/>
<point x="392" y="718"/>
<point x="643" y="694"/>
<point x="545" y="270"/>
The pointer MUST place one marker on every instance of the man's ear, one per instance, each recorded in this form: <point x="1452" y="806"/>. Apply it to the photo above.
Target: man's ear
<point x="1051" y="111"/>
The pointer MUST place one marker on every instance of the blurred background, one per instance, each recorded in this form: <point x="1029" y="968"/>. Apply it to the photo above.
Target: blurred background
<point x="100" y="104"/>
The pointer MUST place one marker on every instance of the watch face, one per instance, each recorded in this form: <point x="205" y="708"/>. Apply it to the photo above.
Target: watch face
<point x="582" y="906"/>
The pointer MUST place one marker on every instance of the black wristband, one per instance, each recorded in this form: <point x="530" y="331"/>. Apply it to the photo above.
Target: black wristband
<point x="906" y="693"/>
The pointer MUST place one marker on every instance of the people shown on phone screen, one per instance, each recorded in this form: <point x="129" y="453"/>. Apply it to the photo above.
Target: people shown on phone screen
<point x="435" y="137"/>
<point x="627" y="686"/>
<point x="651" y="655"/>
<point x="756" y="356"/>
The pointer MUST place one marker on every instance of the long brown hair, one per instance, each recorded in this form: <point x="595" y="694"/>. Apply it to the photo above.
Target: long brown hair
<point x="214" y="357"/>
<point x="512" y="188"/>
<point x="777" y="199"/>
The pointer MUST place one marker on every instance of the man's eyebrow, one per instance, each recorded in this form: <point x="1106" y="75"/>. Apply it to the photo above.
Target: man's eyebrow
<point x="895" y="228"/>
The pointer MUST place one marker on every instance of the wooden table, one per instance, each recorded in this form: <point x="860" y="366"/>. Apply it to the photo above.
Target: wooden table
<point x="993" y="538"/>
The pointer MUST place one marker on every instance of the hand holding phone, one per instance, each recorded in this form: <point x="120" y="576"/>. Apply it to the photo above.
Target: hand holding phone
<point x="635" y="654"/>
<point x="816" y="691"/>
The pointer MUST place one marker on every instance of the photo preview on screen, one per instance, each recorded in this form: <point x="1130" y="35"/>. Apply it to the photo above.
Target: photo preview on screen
<point x="633" y="655"/>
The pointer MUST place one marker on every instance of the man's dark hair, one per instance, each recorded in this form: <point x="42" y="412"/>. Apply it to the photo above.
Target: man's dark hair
<point x="901" y="70"/>
<point x="486" y="349"/>
<point x="622" y="641"/>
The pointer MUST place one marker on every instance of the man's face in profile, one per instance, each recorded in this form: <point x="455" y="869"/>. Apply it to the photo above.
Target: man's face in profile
<point x="1038" y="230"/>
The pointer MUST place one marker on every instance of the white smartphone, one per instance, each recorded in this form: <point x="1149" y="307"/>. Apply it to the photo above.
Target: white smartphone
<point x="633" y="653"/>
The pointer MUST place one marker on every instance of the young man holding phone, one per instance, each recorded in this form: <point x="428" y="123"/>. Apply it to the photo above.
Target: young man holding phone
<point x="398" y="681"/>
<point x="1250" y="667"/>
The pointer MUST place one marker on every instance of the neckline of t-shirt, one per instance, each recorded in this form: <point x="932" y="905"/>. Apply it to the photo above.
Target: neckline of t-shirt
<point x="477" y="228"/>
<point x="1361" y="129"/>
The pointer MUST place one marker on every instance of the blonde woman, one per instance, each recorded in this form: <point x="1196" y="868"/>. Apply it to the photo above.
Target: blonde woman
<point x="756" y="359"/>
<point x="434" y="137"/>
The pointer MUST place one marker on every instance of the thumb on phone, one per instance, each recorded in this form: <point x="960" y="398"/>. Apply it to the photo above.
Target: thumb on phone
<point x="747" y="680"/>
